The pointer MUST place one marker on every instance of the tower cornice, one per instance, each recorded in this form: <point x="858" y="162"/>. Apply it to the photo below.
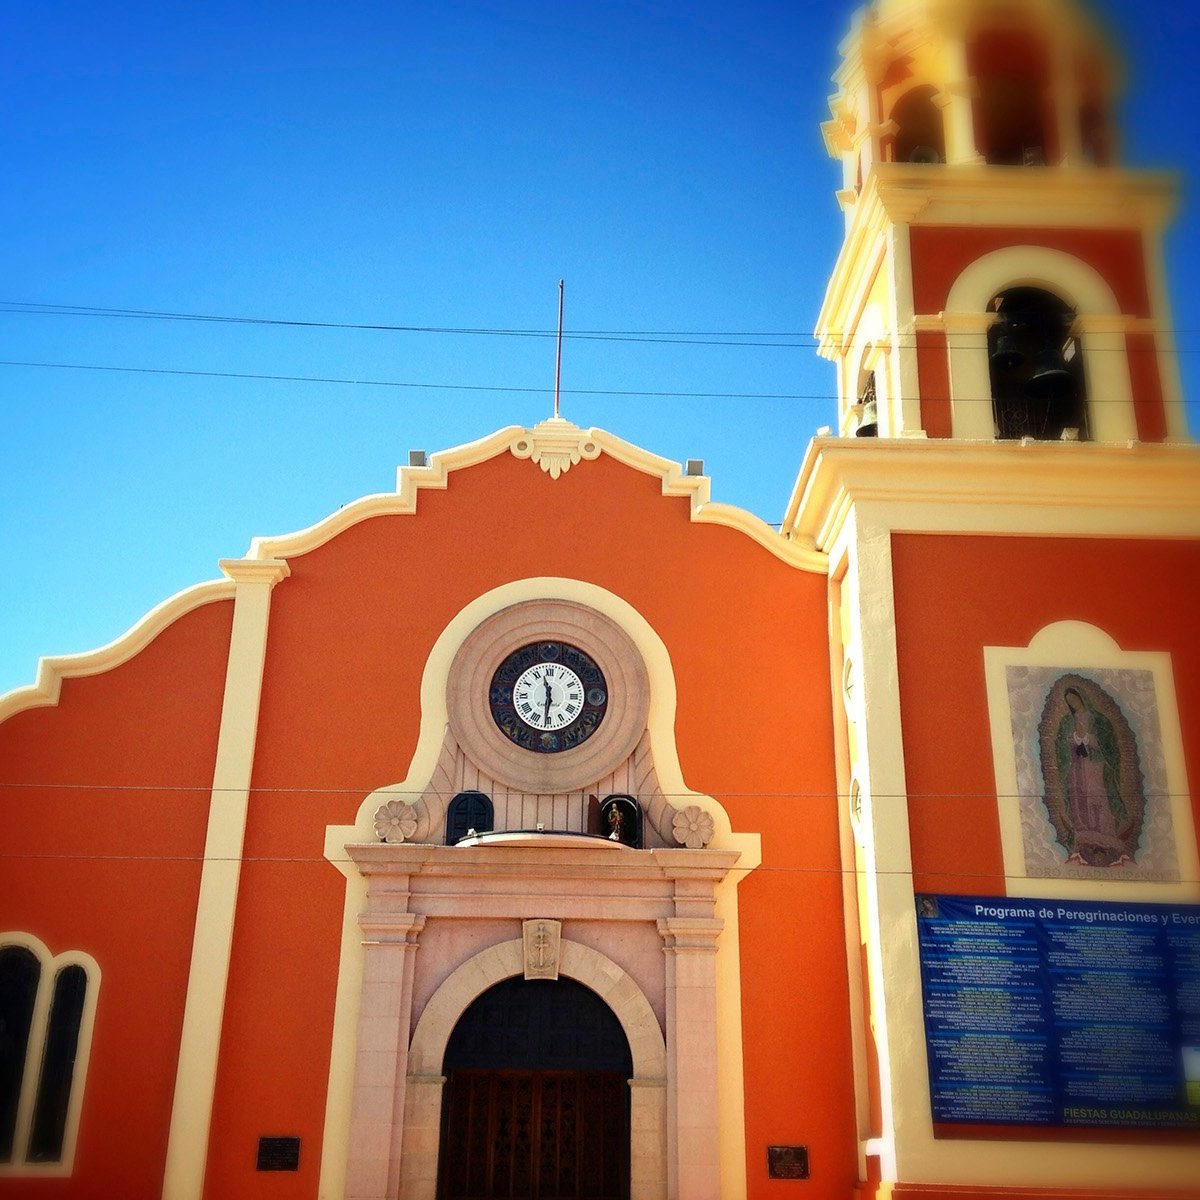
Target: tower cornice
<point x="979" y="195"/>
<point x="1080" y="489"/>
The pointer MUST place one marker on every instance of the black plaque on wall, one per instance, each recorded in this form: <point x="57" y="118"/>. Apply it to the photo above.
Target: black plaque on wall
<point x="278" y="1154"/>
<point x="787" y="1162"/>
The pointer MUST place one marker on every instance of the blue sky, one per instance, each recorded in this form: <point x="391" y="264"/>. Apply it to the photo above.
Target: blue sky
<point x="434" y="164"/>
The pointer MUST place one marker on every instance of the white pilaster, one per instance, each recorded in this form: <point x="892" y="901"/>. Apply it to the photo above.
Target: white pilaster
<point x="204" y="1010"/>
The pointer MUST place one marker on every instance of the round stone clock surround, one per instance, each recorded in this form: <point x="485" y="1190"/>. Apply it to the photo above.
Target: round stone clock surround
<point x="490" y="643"/>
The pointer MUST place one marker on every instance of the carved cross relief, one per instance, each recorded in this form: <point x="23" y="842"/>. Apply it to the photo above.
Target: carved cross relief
<point x="541" y="939"/>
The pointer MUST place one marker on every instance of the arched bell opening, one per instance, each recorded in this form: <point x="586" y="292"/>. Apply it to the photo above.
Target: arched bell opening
<point x="921" y="136"/>
<point x="537" y="1096"/>
<point x="1036" y="367"/>
<point x="1014" y="116"/>
<point x="866" y="408"/>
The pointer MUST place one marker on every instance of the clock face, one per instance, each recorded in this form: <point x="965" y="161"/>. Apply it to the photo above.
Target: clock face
<point x="548" y="697"/>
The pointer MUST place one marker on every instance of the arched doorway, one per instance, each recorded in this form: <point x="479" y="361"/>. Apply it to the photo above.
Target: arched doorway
<point x="537" y="1096"/>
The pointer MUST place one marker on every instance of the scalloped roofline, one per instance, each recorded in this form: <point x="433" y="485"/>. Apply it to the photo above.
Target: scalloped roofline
<point x="555" y="445"/>
<point x="53" y="669"/>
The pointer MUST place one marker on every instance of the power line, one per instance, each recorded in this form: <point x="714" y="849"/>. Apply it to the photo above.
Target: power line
<point x="390" y="383"/>
<point x="601" y="335"/>
<point x="796" y="340"/>
<point x="467" y="387"/>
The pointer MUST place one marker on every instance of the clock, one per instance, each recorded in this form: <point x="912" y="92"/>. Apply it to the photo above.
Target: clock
<point x="515" y="660"/>
<point x="548" y="697"/>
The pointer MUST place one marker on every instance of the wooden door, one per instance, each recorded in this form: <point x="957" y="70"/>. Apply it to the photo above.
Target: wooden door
<point x="546" y="1135"/>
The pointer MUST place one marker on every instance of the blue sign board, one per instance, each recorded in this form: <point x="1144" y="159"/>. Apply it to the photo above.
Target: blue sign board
<point x="1061" y="1012"/>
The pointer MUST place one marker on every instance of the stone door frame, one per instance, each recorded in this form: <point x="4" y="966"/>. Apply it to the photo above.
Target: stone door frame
<point x="396" y="1105"/>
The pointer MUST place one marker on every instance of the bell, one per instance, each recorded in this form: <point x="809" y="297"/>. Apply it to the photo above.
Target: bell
<point x="1007" y="353"/>
<point x="1050" y="379"/>
<point x="868" y="425"/>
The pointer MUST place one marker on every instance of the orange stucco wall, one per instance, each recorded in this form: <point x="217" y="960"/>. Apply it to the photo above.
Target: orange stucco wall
<point x="933" y="371"/>
<point x="350" y="633"/>
<point x="102" y="823"/>
<point x="955" y="595"/>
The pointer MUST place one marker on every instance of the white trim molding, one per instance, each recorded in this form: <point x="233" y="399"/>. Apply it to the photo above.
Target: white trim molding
<point x="554" y="446"/>
<point x="204" y="1009"/>
<point x="53" y="670"/>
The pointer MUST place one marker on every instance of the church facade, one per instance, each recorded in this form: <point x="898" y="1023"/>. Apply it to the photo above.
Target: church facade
<point x="637" y="848"/>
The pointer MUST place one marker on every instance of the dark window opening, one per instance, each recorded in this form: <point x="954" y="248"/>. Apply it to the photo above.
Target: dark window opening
<point x="1014" y="121"/>
<point x="1014" y="118"/>
<point x="58" y="1066"/>
<point x="469" y="812"/>
<point x="1036" y="368"/>
<point x="921" y="137"/>
<point x="19" y="975"/>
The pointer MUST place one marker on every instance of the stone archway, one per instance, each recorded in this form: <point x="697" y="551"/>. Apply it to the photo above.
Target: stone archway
<point x="648" y="1090"/>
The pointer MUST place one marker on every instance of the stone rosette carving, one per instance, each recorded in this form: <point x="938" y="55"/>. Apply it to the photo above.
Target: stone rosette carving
<point x="692" y="827"/>
<point x="395" y="821"/>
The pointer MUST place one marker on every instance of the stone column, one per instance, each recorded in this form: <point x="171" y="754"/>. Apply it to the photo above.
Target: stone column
<point x="647" y="1139"/>
<point x="422" y="1136"/>
<point x="381" y="1062"/>
<point x="1065" y="97"/>
<point x="957" y="102"/>
<point x="693" y="1133"/>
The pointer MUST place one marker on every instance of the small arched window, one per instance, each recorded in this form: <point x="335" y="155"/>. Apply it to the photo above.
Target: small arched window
<point x="621" y="819"/>
<point x="1036" y="367"/>
<point x="42" y="1017"/>
<point x="921" y="135"/>
<point x="469" y="812"/>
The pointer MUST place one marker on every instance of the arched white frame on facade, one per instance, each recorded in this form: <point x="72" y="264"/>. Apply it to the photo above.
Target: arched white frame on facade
<point x="1100" y="324"/>
<point x="1078" y="646"/>
<point x="648" y="1085"/>
<point x="50" y="966"/>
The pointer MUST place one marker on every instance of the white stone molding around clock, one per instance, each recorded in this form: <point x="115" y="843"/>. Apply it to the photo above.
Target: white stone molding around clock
<point x="468" y="690"/>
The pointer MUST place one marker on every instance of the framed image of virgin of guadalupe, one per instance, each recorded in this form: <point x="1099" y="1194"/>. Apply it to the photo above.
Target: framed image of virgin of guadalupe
<point x="1088" y="756"/>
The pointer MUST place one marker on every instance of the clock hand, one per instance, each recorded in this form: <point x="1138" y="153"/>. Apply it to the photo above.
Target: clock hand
<point x="549" y="701"/>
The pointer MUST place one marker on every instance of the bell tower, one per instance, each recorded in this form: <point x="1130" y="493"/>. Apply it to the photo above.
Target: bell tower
<point x="1001" y="276"/>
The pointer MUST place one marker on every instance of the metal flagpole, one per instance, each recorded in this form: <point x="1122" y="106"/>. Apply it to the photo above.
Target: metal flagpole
<point x="558" y="356"/>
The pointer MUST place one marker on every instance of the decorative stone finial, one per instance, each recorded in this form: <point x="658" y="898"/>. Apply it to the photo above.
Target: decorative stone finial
<point x="556" y="445"/>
